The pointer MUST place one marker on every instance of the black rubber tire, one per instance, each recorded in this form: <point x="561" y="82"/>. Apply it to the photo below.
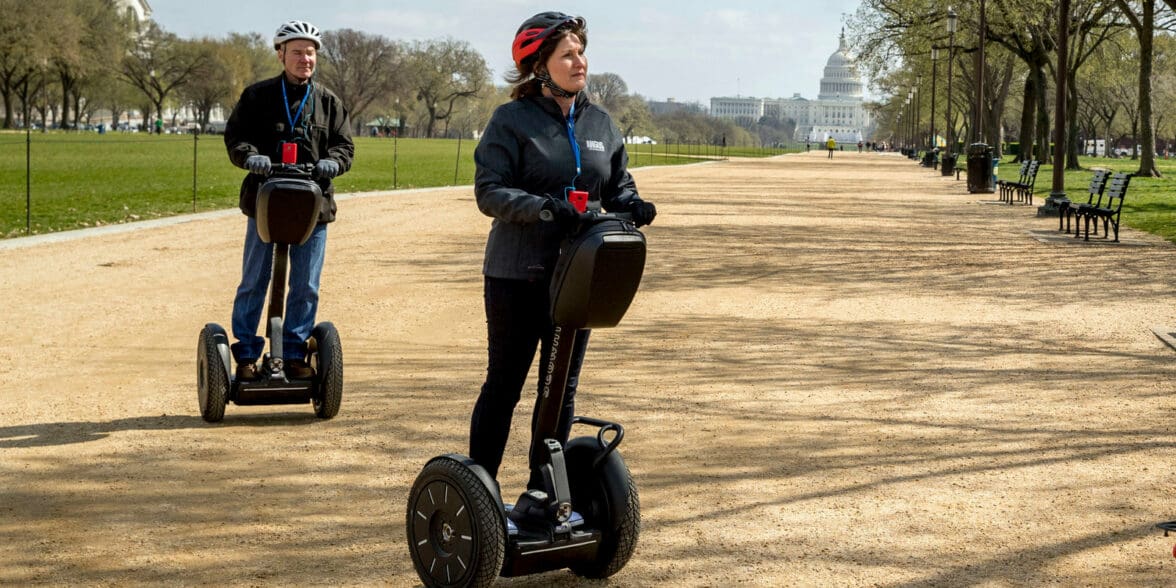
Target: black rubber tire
<point x="327" y="360"/>
<point x="455" y="527"/>
<point x="212" y="381"/>
<point x="607" y="499"/>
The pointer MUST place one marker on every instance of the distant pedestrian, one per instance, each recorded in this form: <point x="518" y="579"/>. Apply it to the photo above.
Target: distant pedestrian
<point x="859" y="146"/>
<point x="831" y="144"/>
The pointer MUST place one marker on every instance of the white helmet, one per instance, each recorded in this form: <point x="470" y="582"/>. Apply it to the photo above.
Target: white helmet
<point x="297" y="29"/>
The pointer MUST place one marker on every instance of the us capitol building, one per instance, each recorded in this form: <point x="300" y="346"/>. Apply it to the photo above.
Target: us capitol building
<point x="838" y="111"/>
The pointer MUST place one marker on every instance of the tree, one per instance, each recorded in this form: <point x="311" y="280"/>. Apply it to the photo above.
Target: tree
<point x="629" y="112"/>
<point x="442" y="73"/>
<point x="89" y="36"/>
<point x="607" y="90"/>
<point x="159" y="63"/>
<point x="26" y="35"/>
<point x="1142" y="16"/>
<point x="360" y="68"/>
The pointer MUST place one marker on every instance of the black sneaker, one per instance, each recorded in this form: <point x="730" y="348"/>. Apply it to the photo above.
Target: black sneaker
<point x="247" y="370"/>
<point x="297" y="369"/>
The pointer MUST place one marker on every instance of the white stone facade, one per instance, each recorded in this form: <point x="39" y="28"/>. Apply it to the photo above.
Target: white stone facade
<point x="839" y="110"/>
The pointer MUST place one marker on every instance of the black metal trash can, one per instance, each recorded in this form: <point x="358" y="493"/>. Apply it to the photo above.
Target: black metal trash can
<point x="980" y="169"/>
<point x="947" y="164"/>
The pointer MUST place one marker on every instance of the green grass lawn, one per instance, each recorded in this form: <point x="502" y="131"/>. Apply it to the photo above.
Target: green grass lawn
<point x="86" y="180"/>
<point x="1150" y="203"/>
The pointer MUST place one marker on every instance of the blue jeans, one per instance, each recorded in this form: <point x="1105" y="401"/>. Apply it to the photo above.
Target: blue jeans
<point x="305" y="268"/>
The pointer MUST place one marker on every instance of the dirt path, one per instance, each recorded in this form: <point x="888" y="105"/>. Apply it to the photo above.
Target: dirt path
<point x="843" y="372"/>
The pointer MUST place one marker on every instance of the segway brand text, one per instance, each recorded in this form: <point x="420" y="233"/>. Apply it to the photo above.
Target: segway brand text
<point x="551" y="361"/>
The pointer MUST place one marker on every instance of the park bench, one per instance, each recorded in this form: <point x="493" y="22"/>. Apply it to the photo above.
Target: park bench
<point x="1022" y="190"/>
<point x="1109" y="213"/>
<point x="1094" y="194"/>
<point x="1005" y="187"/>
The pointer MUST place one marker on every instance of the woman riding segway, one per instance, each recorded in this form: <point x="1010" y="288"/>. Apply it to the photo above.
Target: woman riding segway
<point x="548" y="154"/>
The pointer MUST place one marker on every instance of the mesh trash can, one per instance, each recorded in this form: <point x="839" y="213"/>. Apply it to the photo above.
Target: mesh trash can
<point x="980" y="169"/>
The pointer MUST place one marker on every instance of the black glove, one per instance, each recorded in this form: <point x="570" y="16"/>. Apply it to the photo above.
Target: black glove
<point x="643" y="213"/>
<point x="561" y="212"/>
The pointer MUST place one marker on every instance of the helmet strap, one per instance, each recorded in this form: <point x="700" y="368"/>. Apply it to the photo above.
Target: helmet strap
<point x="545" y="79"/>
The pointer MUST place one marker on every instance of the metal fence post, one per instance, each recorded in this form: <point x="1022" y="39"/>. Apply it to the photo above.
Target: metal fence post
<point x="457" y="162"/>
<point x="28" y="175"/>
<point x="195" y="149"/>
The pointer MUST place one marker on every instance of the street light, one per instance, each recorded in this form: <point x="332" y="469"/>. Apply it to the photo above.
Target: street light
<point x="918" y="111"/>
<point x="980" y="66"/>
<point x="949" y="157"/>
<point x="911" y="122"/>
<point x="906" y="108"/>
<point x="934" y="72"/>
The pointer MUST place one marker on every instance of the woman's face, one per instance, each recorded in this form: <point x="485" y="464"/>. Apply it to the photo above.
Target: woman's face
<point x="568" y="66"/>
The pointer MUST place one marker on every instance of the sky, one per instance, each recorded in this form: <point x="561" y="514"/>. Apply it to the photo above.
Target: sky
<point x="686" y="50"/>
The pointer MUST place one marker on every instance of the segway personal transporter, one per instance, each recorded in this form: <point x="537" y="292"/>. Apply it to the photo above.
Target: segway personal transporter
<point x="587" y="516"/>
<point x="288" y="205"/>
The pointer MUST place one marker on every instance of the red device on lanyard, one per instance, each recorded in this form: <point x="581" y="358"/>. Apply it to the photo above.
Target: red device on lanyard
<point x="579" y="199"/>
<point x="290" y="153"/>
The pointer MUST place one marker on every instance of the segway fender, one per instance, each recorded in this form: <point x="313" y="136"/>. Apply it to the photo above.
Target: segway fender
<point x="483" y="476"/>
<point x="222" y="346"/>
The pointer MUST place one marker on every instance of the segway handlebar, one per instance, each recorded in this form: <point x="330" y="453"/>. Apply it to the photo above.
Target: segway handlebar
<point x="291" y="170"/>
<point x="547" y="216"/>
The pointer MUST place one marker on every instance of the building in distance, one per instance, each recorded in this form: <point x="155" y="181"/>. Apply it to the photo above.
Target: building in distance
<point x="839" y="110"/>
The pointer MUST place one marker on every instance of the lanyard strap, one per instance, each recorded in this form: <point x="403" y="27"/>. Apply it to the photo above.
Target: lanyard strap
<point x="575" y="146"/>
<point x="298" y="115"/>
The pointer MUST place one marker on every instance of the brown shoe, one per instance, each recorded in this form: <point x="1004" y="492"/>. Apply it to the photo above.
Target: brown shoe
<point x="297" y="369"/>
<point x="247" y="370"/>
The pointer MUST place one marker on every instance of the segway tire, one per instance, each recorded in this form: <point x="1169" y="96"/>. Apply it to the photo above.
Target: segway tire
<point x="212" y="381"/>
<point x="327" y="359"/>
<point x="456" y="529"/>
<point x="606" y="497"/>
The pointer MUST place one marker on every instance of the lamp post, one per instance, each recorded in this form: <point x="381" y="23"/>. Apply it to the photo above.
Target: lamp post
<point x="914" y="143"/>
<point x="906" y="109"/>
<point x="396" y="146"/>
<point x="918" y="110"/>
<point x="949" y="157"/>
<point x="934" y="71"/>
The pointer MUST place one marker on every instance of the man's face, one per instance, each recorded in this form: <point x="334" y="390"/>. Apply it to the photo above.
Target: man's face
<point x="298" y="57"/>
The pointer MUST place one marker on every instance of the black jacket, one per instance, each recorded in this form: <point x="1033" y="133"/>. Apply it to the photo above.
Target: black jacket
<point x="525" y="157"/>
<point x="258" y="125"/>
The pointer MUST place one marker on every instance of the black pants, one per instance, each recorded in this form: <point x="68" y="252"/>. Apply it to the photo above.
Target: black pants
<point x="517" y="319"/>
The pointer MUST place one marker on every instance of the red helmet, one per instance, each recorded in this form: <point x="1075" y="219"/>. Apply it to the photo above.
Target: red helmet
<point x="534" y="30"/>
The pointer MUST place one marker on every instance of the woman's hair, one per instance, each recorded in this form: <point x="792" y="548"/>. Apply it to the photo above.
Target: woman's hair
<point x="523" y="76"/>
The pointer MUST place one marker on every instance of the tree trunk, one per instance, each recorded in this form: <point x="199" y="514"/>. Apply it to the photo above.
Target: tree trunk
<point x="1147" y="164"/>
<point x="1072" y="147"/>
<point x="6" y="94"/>
<point x="1041" y="147"/>
<point x="1028" y="116"/>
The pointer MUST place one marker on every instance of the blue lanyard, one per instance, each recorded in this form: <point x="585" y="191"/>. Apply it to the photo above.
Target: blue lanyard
<point x="575" y="147"/>
<point x="286" y="104"/>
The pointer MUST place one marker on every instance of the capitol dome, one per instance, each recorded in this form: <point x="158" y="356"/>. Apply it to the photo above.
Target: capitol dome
<point x="841" y="81"/>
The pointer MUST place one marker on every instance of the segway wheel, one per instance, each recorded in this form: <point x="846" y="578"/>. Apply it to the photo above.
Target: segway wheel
<point x="456" y="532"/>
<point x="212" y="380"/>
<point x="606" y="497"/>
<point x="327" y="361"/>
